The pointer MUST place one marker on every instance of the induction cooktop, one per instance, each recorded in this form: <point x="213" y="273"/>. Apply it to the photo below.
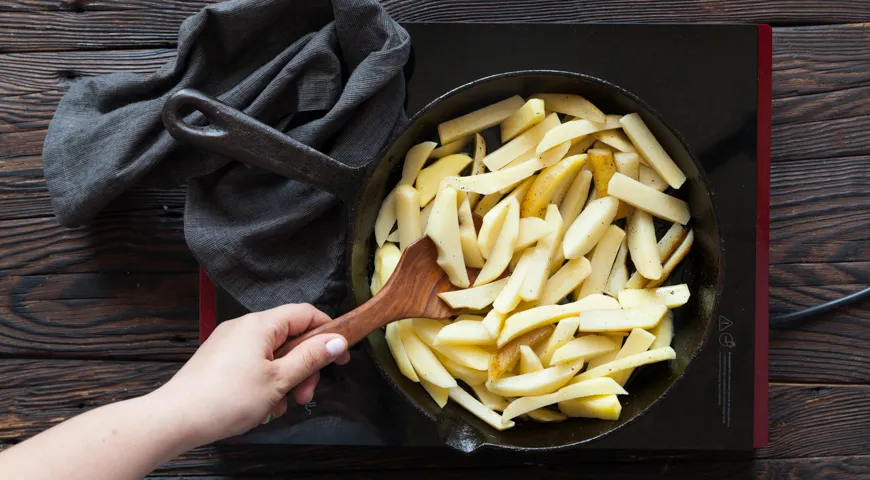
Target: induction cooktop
<point x="712" y="83"/>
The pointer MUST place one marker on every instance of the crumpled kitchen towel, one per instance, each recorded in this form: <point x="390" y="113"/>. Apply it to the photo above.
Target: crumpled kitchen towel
<point x="328" y="73"/>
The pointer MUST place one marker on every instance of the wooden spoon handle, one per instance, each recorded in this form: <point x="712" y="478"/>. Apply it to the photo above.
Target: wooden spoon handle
<point x="353" y="326"/>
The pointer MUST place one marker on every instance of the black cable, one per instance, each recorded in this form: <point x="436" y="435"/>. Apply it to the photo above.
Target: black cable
<point x="778" y="321"/>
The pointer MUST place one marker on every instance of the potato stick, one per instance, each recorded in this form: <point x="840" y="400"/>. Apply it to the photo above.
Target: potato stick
<point x="489" y="399"/>
<point x="575" y="198"/>
<point x="652" y="150"/>
<point x="452" y="148"/>
<point x="627" y="164"/>
<point x="460" y="372"/>
<point x="573" y="105"/>
<point x="546" y="185"/>
<point x="538" y="270"/>
<point x="424" y="216"/>
<point x="503" y="249"/>
<point x="386" y="260"/>
<point x="589" y="227"/>
<point x="625" y="363"/>
<point x="604" y="407"/>
<point x="564" y="333"/>
<point x="476" y="408"/>
<point x="527" y="116"/>
<point x="394" y="342"/>
<point x="504" y="359"/>
<point x="617" y="140"/>
<point x="408" y="215"/>
<point x="394" y="236"/>
<point x="443" y="229"/>
<point x="642" y="244"/>
<point x="602" y="262"/>
<point x="478" y="120"/>
<point x="492" y="182"/>
<point x="532" y="229"/>
<point x="509" y="297"/>
<point x="541" y="382"/>
<point x="529" y="362"/>
<point x="674" y="260"/>
<point x="666" y="247"/>
<point x="468" y="236"/>
<point x="566" y="132"/>
<point x="603" y="358"/>
<point x="474" y="298"/>
<point x="650" y="178"/>
<point x="494" y="321"/>
<point x="582" y="348"/>
<point x="438" y="394"/>
<point x="529" y="139"/>
<point x="647" y="316"/>
<point x="522" y="322"/>
<point x="671" y="297"/>
<point x="648" y="199"/>
<point x="429" y="180"/>
<point x="546" y="416"/>
<point x="619" y="273"/>
<point x="386" y="218"/>
<point x="664" y="332"/>
<point x="603" y="168"/>
<point x="595" y="386"/>
<point x="424" y="361"/>
<point x="580" y="145"/>
<point x="464" y="332"/>
<point x="565" y="280"/>
<point x="638" y="341"/>
<point x="477" y="166"/>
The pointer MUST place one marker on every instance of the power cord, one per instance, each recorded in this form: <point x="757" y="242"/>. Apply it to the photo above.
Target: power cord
<point x="781" y="321"/>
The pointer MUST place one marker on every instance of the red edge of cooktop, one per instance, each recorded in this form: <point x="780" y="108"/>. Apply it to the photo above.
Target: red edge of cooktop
<point x="207" y="293"/>
<point x="762" y="233"/>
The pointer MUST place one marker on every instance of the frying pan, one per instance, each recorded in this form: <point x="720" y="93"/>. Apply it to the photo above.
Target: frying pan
<point x="234" y="134"/>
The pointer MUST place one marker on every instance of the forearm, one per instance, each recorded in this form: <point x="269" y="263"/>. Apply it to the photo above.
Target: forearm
<point x="125" y="440"/>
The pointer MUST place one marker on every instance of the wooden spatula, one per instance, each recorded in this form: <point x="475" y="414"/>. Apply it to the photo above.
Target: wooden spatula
<point x="412" y="291"/>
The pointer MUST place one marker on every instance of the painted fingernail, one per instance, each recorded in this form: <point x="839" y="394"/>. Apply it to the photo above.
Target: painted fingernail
<point x="268" y="419"/>
<point x="336" y="347"/>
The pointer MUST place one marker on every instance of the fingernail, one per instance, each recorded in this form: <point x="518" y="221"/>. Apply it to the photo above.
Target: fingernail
<point x="336" y="347"/>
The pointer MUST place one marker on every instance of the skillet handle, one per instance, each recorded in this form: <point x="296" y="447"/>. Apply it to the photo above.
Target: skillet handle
<point x="236" y="135"/>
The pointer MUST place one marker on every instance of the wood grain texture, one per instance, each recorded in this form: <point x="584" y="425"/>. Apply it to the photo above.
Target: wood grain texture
<point x="102" y="5"/>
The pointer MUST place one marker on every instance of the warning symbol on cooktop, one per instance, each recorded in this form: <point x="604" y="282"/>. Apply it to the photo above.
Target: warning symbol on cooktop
<point x="724" y="323"/>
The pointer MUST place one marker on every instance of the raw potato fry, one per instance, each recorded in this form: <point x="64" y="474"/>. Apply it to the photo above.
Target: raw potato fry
<point x="474" y="298"/>
<point x="509" y="297"/>
<point x="386" y="260"/>
<point x="467" y="355"/>
<point x="671" y="297"/>
<point x="425" y="362"/>
<point x="532" y="229"/>
<point x="506" y="178"/>
<point x="601" y="145"/>
<point x="576" y="196"/>
<point x="538" y="270"/>
<point x="494" y="321"/>
<point x="546" y="416"/>
<point x="464" y="332"/>
<point x="460" y="372"/>
<point x="564" y="333"/>
<point x="452" y="148"/>
<point x="567" y="132"/>
<point x="521" y="190"/>
<point x="477" y="166"/>
<point x="393" y="237"/>
<point x="468" y="236"/>
<point x="429" y="180"/>
<point x="489" y="399"/>
<point x="573" y="105"/>
<point x="443" y="229"/>
<point x="547" y="183"/>
<point x="386" y="218"/>
<point x="625" y="363"/>
<point x="648" y="199"/>
<point x="503" y="250"/>
<point x="664" y="332"/>
<point x="589" y="227"/>
<point x="529" y="139"/>
<point x="638" y="341"/>
<point x="394" y="342"/>
<point x="408" y="215"/>
<point x="607" y="357"/>
<point x="612" y="122"/>
<point x="595" y="386"/>
<point x="652" y="150"/>
<point x="604" y="407"/>
<point x="675" y="259"/>
<point x="541" y="382"/>
<point x="478" y="120"/>
<point x="627" y="164"/>
<point x="425" y="213"/>
<point x="504" y="359"/>
<point x="414" y="161"/>
<point x="603" y="168"/>
<point x="439" y="394"/>
<point x="522" y="322"/>
<point x="465" y="400"/>
<point x="565" y="280"/>
<point x="616" y="139"/>
<point x="619" y="273"/>
<point x="525" y="157"/>
<point x="602" y="262"/>
<point x="666" y="247"/>
<point x="491" y="227"/>
<point x="527" y="116"/>
<point x="617" y="320"/>
<point x="583" y="348"/>
<point x="650" y="178"/>
<point x="529" y="362"/>
<point x="642" y="245"/>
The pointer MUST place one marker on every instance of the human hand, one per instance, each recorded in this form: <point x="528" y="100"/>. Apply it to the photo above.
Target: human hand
<point x="233" y="382"/>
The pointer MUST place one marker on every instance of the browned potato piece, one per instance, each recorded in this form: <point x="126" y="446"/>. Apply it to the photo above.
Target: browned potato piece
<point x="507" y="356"/>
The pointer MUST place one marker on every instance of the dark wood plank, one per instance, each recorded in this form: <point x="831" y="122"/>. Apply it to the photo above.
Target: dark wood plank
<point x="821" y="139"/>
<point x="99" y="5"/>
<point x="855" y="467"/>
<point x="806" y="421"/>
<point x="560" y="11"/>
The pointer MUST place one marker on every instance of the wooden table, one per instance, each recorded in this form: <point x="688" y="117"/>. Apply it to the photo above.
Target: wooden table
<point x="96" y="315"/>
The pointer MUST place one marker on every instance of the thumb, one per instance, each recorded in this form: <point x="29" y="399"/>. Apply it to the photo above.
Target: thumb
<point x="309" y="357"/>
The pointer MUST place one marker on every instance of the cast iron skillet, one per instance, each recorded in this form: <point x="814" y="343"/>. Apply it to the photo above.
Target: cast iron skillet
<point x="232" y="133"/>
